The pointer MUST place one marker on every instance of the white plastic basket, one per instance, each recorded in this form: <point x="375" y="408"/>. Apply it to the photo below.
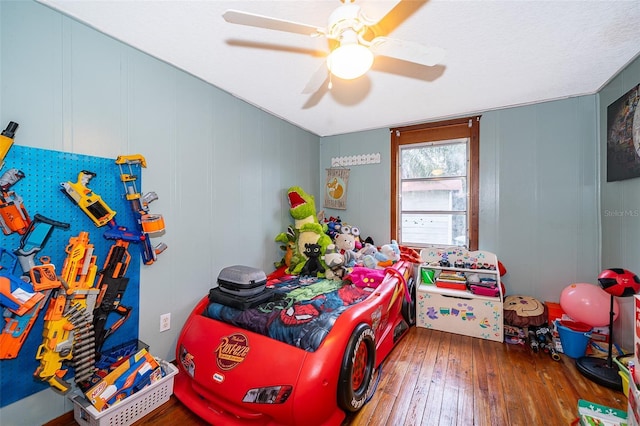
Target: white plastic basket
<point x="129" y="409"/>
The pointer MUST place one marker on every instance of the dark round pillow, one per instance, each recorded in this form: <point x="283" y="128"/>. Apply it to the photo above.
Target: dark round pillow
<point x="524" y="311"/>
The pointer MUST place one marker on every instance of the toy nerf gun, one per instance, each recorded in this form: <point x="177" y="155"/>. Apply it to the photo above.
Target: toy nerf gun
<point x="21" y="304"/>
<point x="116" y="232"/>
<point x="16" y="327"/>
<point x="68" y="334"/>
<point x="79" y="269"/>
<point x="112" y="285"/>
<point x="149" y="225"/>
<point x="88" y="201"/>
<point x="78" y="274"/>
<point x="34" y="239"/>
<point x="16" y="295"/>
<point x="6" y="140"/>
<point x="13" y="215"/>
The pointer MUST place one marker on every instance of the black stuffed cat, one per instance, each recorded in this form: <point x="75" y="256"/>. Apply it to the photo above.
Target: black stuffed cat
<point x="313" y="266"/>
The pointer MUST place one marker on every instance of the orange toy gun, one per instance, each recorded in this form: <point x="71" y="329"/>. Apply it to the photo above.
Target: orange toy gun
<point x="68" y="334"/>
<point x="79" y="269"/>
<point x="13" y="215"/>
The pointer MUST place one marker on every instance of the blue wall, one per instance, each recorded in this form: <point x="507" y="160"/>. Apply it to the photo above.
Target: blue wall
<point x="620" y="234"/>
<point x="538" y="192"/>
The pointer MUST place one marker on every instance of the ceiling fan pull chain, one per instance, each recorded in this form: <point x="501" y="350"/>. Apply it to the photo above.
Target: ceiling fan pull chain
<point x="330" y="85"/>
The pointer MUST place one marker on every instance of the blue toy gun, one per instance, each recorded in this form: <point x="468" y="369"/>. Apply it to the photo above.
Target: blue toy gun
<point x="117" y="232"/>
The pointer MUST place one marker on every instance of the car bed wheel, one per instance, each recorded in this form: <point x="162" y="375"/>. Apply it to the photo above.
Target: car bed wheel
<point x="357" y="369"/>
<point x="409" y="308"/>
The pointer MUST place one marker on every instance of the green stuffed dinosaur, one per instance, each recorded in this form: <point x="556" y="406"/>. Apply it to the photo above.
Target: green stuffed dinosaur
<point x="307" y="229"/>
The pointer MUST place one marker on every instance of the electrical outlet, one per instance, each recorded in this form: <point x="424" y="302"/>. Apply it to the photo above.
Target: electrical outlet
<point x="165" y="322"/>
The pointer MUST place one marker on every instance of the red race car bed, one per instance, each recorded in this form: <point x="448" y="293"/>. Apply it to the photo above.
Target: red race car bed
<point x="306" y="357"/>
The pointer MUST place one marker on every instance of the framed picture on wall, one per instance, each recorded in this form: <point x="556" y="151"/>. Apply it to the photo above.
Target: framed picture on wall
<point x="623" y="137"/>
<point x="335" y="191"/>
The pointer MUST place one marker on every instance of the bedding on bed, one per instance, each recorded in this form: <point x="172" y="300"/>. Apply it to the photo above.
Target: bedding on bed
<point x="301" y="313"/>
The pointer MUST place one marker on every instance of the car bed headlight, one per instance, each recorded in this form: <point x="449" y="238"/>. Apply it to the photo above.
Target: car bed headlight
<point x="268" y="395"/>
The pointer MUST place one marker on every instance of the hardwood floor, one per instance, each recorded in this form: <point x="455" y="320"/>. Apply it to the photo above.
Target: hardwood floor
<point x="437" y="378"/>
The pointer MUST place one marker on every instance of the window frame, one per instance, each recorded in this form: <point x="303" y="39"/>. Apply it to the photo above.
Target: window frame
<point x="468" y="127"/>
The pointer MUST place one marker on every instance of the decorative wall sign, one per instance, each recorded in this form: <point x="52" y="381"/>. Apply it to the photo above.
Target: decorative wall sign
<point x="356" y="160"/>
<point x="623" y="137"/>
<point x="335" y="192"/>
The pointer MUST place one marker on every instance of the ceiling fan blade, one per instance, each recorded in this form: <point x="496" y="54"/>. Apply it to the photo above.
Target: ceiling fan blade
<point x="253" y="20"/>
<point x="374" y="11"/>
<point x="407" y="51"/>
<point x="317" y="79"/>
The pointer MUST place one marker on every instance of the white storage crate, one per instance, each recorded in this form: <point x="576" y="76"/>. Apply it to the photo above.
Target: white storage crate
<point x="129" y="409"/>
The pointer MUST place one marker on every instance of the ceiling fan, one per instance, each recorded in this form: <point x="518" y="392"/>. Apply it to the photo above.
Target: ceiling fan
<point x="353" y="41"/>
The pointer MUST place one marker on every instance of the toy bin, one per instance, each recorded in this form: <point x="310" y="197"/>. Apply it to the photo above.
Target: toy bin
<point x="574" y="342"/>
<point x="129" y="409"/>
<point x="625" y="374"/>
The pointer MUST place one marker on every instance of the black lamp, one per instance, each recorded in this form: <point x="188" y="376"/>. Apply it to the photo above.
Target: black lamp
<point x="617" y="282"/>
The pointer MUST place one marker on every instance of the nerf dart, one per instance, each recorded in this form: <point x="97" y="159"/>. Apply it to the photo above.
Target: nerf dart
<point x="88" y="201"/>
<point x="6" y="140"/>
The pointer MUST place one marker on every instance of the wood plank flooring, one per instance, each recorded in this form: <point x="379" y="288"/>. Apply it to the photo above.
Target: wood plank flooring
<point x="437" y="378"/>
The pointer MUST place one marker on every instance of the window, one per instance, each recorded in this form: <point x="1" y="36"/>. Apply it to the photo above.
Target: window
<point x="434" y="184"/>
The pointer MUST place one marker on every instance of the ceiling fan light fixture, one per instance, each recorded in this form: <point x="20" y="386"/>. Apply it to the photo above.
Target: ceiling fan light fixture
<point x="349" y="61"/>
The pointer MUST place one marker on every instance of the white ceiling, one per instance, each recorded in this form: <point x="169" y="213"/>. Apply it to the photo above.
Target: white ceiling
<point x="499" y="54"/>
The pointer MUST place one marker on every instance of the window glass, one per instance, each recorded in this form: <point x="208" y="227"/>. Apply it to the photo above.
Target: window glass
<point x="434" y="181"/>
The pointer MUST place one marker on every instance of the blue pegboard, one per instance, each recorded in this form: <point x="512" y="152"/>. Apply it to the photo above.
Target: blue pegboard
<point x="40" y="189"/>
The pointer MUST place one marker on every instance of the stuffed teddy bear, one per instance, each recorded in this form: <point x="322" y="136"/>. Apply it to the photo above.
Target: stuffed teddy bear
<point x="345" y="243"/>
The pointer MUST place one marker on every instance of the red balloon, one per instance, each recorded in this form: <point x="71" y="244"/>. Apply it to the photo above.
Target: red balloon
<point x="588" y="303"/>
